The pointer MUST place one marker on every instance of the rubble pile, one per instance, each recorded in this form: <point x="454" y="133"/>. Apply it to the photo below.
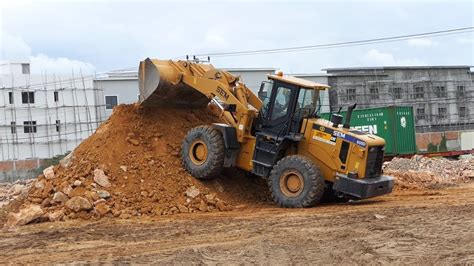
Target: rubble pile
<point x="424" y="172"/>
<point x="129" y="167"/>
<point x="12" y="191"/>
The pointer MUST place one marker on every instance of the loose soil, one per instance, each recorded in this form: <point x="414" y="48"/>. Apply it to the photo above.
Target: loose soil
<point x="407" y="227"/>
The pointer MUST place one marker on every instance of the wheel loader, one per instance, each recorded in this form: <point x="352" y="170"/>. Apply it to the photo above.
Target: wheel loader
<point x="278" y="136"/>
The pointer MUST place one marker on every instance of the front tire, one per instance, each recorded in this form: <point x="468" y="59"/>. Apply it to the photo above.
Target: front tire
<point x="296" y="182"/>
<point x="203" y="152"/>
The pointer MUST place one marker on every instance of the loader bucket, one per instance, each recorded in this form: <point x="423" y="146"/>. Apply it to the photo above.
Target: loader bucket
<point x="160" y="84"/>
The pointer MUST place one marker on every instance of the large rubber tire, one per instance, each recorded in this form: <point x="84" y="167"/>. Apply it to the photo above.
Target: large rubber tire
<point x="291" y="170"/>
<point x="203" y="152"/>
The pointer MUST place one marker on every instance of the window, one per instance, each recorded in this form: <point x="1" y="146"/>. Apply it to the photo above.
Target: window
<point x="13" y="127"/>
<point x="58" y="125"/>
<point x="10" y="97"/>
<point x="264" y="94"/>
<point x="397" y="93"/>
<point x="374" y="93"/>
<point x="351" y="94"/>
<point x="29" y="126"/>
<point x="56" y="96"/>
<point x="28" y="97"/>
<point x="25" y="68"/>
<point x="110" y="102"/>
<point x="442" y="113"/>
<point x="420" y="113"/>
<point x="282" y="102"/>
<point x="419" y="93"/>
<point x="462" y="112"/>
<point x="306" y="102"/>
<point x="460" y="92"/>
<point x="440" y="92"/>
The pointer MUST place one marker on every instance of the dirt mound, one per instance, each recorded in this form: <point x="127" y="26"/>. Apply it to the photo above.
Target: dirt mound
<point x="424" y="172"/>
<point x="131" y="167"/>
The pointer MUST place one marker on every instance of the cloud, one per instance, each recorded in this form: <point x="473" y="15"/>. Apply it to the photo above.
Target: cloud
<point x="463" y="40"/>
<point x="377" y="58"/>
<point x="14" y="48"/>
<point x="421" y="42"/>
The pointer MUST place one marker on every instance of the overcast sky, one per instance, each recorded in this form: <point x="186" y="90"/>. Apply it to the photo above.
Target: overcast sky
<point x="98" y="36"/>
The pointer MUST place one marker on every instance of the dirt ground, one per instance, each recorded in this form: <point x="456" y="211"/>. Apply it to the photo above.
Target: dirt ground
<point x="412" y="226"/>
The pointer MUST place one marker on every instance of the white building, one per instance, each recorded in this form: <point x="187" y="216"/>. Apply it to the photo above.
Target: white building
<point x="121" y="87"/>
<point x="42" y="116"/>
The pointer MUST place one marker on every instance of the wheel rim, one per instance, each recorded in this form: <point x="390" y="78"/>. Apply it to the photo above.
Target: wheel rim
<point x="291" y="183"/>
<point x="198" y="152"/>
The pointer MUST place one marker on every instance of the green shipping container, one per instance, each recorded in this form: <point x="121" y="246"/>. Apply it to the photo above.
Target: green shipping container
<point x="395" y="124"/>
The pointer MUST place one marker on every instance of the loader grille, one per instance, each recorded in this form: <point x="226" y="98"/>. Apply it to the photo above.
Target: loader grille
<point x="374" y="161"/>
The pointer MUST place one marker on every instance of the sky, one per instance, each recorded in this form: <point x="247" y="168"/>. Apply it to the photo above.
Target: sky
<point x="99" y="36"/>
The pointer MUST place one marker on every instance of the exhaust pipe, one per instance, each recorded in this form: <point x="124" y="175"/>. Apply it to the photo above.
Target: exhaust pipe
<point x="347" y="124"/>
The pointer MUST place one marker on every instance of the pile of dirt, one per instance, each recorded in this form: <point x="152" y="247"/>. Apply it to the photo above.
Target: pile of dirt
<point x="424" y="172"/>
<point x="131" y="166"/>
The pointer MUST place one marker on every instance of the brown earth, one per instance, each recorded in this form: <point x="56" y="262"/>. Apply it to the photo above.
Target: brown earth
<point x="407" y="227"/>
<point x="138" y="149"/>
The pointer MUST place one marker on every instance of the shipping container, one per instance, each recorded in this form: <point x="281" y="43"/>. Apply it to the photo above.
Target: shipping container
<point x="395" y="124"/>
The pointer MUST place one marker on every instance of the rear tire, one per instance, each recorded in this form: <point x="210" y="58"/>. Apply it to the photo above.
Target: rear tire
<point x="203" y="152"/>
<point x="296" y="182"/>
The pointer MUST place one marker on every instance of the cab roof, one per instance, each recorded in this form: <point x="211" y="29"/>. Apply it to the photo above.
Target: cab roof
<point x="299" y="82"/>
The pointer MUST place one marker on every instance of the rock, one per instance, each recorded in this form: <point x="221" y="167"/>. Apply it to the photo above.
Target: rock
<point x="39" y="184"/>
<point x="99" y="201"/>
<point x="203" y="206"/>
<point x="24" y="216"/>
<point x="77" y="183"/>
<point x="379" y="216"/>
<point x="60" y="197"/>
<point x="104" y="194"/>
<point x="67" y="190"/>
<point x="101" y="179"/>
<point x="56" y="216"/>
<point x="49" y="173"/>
<point x="220" y="205"/>
<point x="102" y="209"/>
<point x="192" y="192"/>
<point x="77" y="204"/>
<point x="16" y="190"/>
<point x="46" y="203"/>
<point x="133" y="141"/>
<point x="124" y="168"/>
<point x="67" y="160"/>
<point x="182" y="208"/>
<point x="174" y="209"/>
<point x="95" y="196"/>
<point x="468" y="173"/>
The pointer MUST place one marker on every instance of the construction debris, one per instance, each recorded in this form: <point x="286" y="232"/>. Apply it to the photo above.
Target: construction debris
<point x="424" y="172"/>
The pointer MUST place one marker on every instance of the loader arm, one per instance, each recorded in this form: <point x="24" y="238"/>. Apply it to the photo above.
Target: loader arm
<point x="189" y="84"/>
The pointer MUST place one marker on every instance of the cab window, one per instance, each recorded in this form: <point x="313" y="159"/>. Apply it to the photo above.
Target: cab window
<point x="307" y="100"/>
<point x="264" y="94"/>
<point x="282" y="102"/>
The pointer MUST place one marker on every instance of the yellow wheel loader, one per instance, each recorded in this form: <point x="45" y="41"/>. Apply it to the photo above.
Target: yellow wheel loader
<point x="278" y="136"/>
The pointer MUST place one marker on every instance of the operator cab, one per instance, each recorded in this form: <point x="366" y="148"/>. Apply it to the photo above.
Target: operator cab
<point x="286" y="102"/>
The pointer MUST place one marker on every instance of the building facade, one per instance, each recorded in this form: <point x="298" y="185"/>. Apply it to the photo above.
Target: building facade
<point x="42" y="116"/>
<point x="441" y="96"/>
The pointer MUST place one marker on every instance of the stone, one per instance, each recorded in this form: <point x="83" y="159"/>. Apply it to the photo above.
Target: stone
<point x="102" y="209"/>
<point x="124" y="168"/>
<point x="101" y="179"/>
<point x="99" y="201"/>
<point x="95" y="196"/>
<point x="24" y="216"/>
<point x="133" y="141"/>
<point x="379" y="216"/>
<point x="39" y="185"/>
<point x="16" y="189"/>
<point x="77" y="183"/>
<point x="103" y="194"/>
<point x="468" y="173"/>
<point x="46" y="203"/>
<point x="60" y="197"/>
<point x="67" y="190"/>
<point x="220" y="205"/>
<point x="67" y="160"/>
<point x="182" y="208"/>
<point x="56" y="216"/>
<point x="77" y="204"/>
<point x="49" y="173"/>
<point x="192" y="192"/>
<point x="203" y="206"/>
